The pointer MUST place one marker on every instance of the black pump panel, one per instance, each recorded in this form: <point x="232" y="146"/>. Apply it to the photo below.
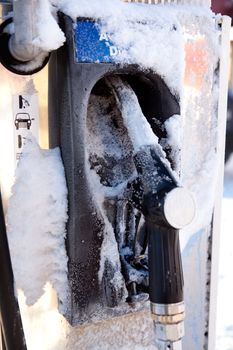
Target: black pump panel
<point x="72" y="87"/>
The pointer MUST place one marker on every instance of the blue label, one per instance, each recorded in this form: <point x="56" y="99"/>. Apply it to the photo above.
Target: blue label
<point x="92" y="45"/>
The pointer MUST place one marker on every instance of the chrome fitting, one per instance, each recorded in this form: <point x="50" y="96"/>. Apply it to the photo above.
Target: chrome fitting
<point x="168" y="319"/>
<point x="168" y="325"/>
<point x="169" y="332"/>
<point x="167" y="309"/>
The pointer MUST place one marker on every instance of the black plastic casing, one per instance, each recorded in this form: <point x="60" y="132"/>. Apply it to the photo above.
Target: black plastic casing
<point x="70" y="86"/>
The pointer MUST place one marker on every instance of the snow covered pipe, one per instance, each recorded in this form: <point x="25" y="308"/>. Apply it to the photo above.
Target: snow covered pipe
<point x="12" y="335"/>
<point x="21" y="42"/>
<point x="18" y="52"/>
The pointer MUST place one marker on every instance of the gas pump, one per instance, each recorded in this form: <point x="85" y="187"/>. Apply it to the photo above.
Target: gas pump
<point x="126" y="201"/>
<point x="154" y="192"/>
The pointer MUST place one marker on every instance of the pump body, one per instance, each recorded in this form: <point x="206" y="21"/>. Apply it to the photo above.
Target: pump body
<point x="78" y="81"/>
<point x="86" y="226"/>
<point x="78" y="93"/>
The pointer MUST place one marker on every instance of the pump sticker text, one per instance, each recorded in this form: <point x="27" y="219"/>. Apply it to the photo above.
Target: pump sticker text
<point x="93" y="45"/>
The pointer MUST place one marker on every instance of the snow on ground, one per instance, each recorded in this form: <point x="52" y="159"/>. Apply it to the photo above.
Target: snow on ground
<point x="225" y="288"/>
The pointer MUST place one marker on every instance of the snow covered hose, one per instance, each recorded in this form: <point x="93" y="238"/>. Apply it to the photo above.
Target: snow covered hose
<point x="164" y="206"/>
<point x="10" y="62"/>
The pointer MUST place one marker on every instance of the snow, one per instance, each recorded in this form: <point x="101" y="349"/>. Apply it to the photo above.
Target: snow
<point x="225" y="287"/>
<point x="127" y="25"/>
<point x="140" y="131"/>
<point x="36" y="220"/>
<point x="47" y="29"/>
<point x="107" y="180"/>
<point x="109" y="249"/>
<point x="173" y="141"/>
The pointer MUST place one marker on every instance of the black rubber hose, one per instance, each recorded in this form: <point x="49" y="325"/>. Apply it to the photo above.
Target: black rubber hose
<point x="11" y="323"/>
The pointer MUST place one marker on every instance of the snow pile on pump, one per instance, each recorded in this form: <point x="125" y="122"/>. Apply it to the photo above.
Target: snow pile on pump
<point x="37" y="217"/>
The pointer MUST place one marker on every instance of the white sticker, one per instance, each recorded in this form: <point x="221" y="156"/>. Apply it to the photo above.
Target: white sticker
<point x="25" y="120"/>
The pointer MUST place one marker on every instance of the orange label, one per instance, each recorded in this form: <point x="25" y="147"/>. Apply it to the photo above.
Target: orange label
<point x="196" y="60"/>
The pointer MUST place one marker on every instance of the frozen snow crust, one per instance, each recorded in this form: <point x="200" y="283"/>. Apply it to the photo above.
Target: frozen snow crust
<point x="36" y="223"/>
<point x="146" y="35"/>
<point x="149" y="35"/>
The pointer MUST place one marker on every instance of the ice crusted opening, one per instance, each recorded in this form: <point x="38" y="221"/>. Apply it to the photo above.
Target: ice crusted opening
<point x="111" y="144"/>
<point x="36" y="223"/>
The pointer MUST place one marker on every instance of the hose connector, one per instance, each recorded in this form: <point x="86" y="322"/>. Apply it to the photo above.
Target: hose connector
<point x="168" y="325"/>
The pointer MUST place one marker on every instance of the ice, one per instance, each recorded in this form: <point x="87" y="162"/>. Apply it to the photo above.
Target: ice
<point x="36" y="221"/>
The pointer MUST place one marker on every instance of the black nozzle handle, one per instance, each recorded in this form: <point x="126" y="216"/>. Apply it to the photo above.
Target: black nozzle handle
<point x="165" y="267"/>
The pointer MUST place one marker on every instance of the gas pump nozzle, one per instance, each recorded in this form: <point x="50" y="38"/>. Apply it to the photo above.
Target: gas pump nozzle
<point x="166" y="208"/>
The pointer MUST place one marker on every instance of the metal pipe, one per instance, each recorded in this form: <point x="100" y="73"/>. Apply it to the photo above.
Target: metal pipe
<point x="10" y="319"/>
<point x="21" y="42"/>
